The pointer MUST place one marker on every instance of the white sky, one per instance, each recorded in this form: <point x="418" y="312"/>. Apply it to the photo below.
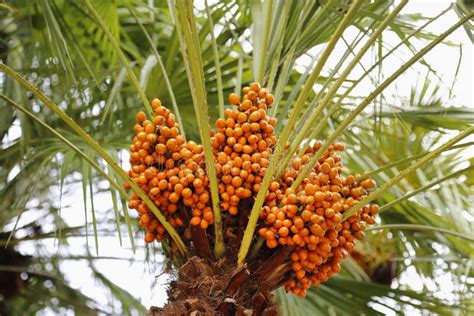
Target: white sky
<point x="140" y="280"/>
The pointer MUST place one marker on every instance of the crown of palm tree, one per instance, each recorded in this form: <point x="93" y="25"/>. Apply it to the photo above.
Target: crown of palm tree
<point x="76" y="72"/>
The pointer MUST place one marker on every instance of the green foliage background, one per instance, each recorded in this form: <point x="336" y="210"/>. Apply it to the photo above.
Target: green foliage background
<point x="60" y="48"/>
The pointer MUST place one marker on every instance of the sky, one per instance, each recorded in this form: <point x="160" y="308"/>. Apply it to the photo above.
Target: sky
<point x="145" y="281"/>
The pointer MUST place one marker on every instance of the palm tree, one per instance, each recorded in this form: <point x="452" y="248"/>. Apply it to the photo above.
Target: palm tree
<point x="75" y="73"/>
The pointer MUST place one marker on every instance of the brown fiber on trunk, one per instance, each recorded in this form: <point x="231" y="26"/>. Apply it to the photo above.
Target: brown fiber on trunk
<point x="217" y="288"/>
<point x="204" y="286"/>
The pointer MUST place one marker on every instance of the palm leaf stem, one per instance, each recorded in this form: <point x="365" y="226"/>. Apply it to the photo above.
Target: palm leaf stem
<point x="186" y="28"/>
<point x="413" y="167"/>
<point x="389" y="166"/>
<point x="421" y="228"/>
<point x="163" y="71"/>
<point x="220" y="88"/>
<point x="424" y="188"/>
<point x="266" y="34"/>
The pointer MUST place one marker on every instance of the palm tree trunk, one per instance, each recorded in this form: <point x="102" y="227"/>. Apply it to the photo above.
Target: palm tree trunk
<point x="220" y="288"/>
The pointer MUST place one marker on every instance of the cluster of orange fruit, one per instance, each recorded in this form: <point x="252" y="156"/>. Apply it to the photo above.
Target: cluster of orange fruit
<point x="309" y="218"/>
<point x="242" y="146"/>
<point x="170" y="170"/>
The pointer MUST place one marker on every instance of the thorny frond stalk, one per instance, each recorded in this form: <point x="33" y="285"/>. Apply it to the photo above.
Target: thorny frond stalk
<point x="188" y="37"/>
